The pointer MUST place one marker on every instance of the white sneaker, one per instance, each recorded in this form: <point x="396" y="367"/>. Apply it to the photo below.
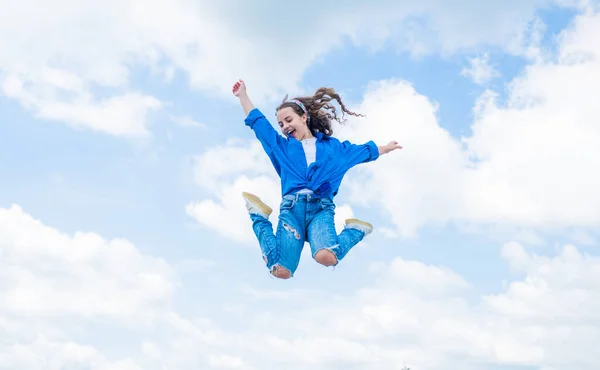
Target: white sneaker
<point x="256" y="206"/>
<point x="363" y="226"/>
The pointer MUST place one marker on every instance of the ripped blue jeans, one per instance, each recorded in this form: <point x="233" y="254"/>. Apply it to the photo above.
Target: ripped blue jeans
<point x="303" y="218"/>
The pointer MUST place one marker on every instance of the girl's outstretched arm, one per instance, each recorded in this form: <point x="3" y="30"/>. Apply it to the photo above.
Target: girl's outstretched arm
<point x="239" y="90"/>
<point x="265" y="133"/>
<point x="362" y="153"/>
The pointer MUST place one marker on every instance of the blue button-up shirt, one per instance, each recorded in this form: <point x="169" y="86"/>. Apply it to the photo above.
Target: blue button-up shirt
<point x="324" y="176"/>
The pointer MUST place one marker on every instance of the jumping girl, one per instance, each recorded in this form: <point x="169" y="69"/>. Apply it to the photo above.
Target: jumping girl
<point x="311" y="164"/>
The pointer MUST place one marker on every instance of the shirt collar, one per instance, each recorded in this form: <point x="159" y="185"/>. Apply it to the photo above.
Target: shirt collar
<point x="319" y="135"/>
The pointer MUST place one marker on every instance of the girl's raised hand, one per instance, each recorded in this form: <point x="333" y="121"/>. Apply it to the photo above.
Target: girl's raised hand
<point x="239" y="88"/>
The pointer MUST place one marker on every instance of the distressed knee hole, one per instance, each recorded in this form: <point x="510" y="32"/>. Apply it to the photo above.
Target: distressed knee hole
<point x="325" y="257"/>
<point x="292" y="230"/>
<point x="281" y="272"/>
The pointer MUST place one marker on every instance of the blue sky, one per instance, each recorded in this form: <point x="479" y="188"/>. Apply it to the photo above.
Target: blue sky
<point x="479" y="248"/>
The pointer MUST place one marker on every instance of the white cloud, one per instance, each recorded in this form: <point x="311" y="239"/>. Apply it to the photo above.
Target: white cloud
<point x="419" y="279"/>
<point x="582" y="237"/>
<point x="226" y="162"/>
<point x="545" y="297"/>
<point x="55" y="284"/>
<point x="418" y="184"/>
<point x="226" y="362"/>
<point x="228" y="216"/>
<point x="57" y="288"/>
<point x="77" y="62"/>
<point x="44" y="354"/>
<point x="185" y="121"/>
<point x="82" y="301"/>
<point x="119" y="115"/>
<point x="225" y="172"/>
<point x="541" y="320"/>
<point x="54" y="274"/>
<point x="527" y="165"/>
<point x="480" y="71"/>
<point x="423" y="316"/>
<point x="426" y="317"/>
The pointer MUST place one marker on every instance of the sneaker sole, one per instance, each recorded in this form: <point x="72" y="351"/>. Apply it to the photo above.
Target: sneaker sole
<point x="258" y="202"/>
<point x="357" y="221"/>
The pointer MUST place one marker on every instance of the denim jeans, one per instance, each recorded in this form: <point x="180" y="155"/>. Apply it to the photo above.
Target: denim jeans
<point x="303" y="218"/>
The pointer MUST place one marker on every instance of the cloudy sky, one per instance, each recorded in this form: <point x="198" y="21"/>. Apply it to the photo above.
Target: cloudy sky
<point x="124" y="242"/>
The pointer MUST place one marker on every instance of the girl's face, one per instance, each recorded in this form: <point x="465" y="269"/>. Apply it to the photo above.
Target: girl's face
<point x="293" y="125"/>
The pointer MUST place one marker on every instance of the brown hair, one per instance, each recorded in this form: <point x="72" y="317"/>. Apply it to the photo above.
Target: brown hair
<point x="320" y="111"/>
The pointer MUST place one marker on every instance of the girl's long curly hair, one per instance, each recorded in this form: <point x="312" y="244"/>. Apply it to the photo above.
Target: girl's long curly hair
<point x="320" y="110"/>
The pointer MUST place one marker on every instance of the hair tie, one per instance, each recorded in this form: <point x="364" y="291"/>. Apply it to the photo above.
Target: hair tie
<point x="297" y="102"/>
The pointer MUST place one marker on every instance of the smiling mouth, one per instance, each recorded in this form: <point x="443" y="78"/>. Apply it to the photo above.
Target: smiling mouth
<point x="291" y="133"/>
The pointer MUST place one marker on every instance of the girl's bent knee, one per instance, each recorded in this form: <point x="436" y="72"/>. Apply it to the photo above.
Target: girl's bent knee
<point x="281" y="272"/>
<point x="326" y="257"/>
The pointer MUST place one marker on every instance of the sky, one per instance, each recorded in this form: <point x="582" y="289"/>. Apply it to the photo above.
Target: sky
<point x="125" y="244"/>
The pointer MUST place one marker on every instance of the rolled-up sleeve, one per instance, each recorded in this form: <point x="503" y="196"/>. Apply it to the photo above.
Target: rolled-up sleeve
<point x="263" y="130"/>
<point x="359" y="153"/>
